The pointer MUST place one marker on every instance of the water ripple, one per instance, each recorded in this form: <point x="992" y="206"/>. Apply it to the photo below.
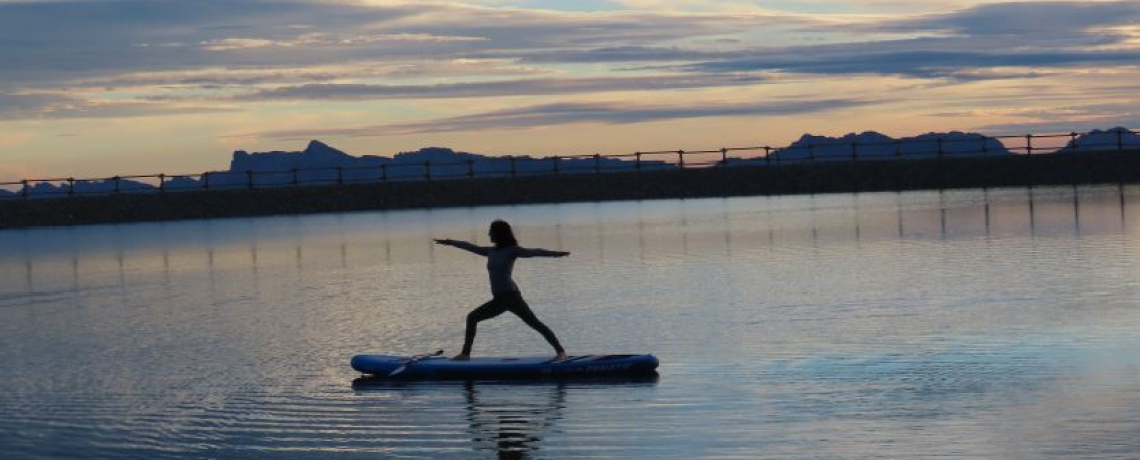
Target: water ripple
<point x="993" y="324"/>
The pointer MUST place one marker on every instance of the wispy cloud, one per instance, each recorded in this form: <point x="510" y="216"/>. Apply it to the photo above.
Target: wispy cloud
<point x="545" y="86"/>
<point x="1064" y="118"/>
<point x="60" y="106"/>
<point x="961" y="44"/>
<point x="1071" y="22"/>
<point x="967" y="44"/>
<point x="920" y="58"/>
<point x="322" y="39"/>
<point x="62" y="41"/>
<point x="262" y="42"/>
<point x="571" y="113"/>
<point x="292" y="62"/>
<point x="394" y="70"/>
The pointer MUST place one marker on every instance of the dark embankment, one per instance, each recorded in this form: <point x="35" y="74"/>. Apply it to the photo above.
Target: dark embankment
<point x="798" y="178"/>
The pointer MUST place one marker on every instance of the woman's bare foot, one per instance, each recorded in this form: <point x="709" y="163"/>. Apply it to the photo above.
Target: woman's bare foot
<point x="561" y="357"/>
<point x="461" y="357"/>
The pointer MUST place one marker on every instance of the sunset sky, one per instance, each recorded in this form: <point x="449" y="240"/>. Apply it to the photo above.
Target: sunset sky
<point x="102" y="87"/>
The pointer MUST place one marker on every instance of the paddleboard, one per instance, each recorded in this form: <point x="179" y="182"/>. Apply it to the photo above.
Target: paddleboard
<point x="434" y="367"/>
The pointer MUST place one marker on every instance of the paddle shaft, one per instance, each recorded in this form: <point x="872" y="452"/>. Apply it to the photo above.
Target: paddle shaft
<point x="413" y="360"/>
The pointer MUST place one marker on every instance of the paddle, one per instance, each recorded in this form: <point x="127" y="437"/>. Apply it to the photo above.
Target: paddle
<point x="413" y="360"/>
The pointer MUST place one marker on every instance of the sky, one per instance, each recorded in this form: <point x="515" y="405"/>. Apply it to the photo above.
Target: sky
<point x="95" y="88"/>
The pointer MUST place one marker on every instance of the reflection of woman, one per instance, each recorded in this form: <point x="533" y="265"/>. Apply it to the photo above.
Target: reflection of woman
<point x="512" y="419"/>
<point x="505" y="293"/>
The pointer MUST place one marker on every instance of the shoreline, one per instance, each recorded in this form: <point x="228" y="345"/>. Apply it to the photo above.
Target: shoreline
<point x="1114" y="167"/>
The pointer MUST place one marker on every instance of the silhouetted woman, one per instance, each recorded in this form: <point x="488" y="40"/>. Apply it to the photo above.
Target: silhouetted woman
<point x="506" y="295"/>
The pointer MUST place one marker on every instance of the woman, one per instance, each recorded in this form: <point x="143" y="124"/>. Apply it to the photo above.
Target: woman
<point x="506" y="295"/>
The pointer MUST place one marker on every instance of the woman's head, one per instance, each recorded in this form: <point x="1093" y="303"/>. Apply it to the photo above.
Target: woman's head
<point x="502" y="235"/>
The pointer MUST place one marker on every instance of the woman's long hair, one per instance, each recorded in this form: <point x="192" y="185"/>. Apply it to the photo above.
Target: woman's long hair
<point x="502" y="235"/>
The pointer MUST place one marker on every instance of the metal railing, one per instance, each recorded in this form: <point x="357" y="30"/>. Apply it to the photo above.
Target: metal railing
<point x="953" y="146"/>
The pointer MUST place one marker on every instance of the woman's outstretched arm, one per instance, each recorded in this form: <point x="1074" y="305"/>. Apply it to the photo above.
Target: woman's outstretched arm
<point x="536" y="252"/>
<point x="483" y="251"/>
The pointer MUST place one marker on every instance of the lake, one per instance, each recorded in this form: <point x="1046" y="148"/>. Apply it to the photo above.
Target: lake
<point x="968" y="324"/>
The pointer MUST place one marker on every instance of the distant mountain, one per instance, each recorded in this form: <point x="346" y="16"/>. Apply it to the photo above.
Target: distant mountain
<point x="1097" y="140"/>
<point x="82" y="187"/>
<point x="873" y="145"/>
<point x="316" y="155"/>
<point x="318" y="163"/>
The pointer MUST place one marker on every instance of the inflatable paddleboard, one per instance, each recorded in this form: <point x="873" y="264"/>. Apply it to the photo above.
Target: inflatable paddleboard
<point x="435" y="367"/>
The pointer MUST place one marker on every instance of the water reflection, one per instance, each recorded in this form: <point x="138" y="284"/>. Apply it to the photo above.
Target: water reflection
<point x="507" y="420"/>
<point x="951" y="214"/>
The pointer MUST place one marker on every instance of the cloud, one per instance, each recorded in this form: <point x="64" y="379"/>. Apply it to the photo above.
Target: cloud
<point x="570" y="113"/>
<point x="56" y="42"/>
<point x="159" y="55"/>
<point x="920" y="58"/>
<point x="968" y="44"/>
<point x="616" y="54"/>
<point x="546" y="86"/>
<point x="322" y="39"/>
<point x="62" y="106"/>
<point x="215" y="77"/>
<point x="60" y="43"/>
<point x="1026" y="19"/>
<point x="155" y="51"/>
<point x="1063" y="119"/>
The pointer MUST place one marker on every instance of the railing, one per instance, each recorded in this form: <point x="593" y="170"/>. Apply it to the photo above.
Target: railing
<point x="1118" y="139"/>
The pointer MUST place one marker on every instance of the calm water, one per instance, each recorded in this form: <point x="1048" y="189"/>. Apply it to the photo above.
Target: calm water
<point x="1000" y="324"/>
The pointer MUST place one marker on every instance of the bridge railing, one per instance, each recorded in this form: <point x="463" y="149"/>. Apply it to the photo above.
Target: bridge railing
<point x="1118" y="139"/>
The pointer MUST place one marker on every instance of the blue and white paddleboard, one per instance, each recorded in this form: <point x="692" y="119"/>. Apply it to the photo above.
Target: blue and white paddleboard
<point x="435" y="367"/>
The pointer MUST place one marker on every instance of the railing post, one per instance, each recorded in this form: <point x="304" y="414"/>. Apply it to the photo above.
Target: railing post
<point x="1120" y="139"/>
<point x="514" y="168"/>
<point x="767" y="155"/>
<point x="249" y="178"/>
<point x="637" y="161"/>
<point x="597" y="163"/>
<point x="681" y="159"/>
<point x="70" y="186"/>
<point x="940" y="149"/>
<point x="1029" y="144"/>
<point x="118" y="182"/>
<point x="24" y="191"/>
<point x="205" y="181"/>
<point x="724" y="156"/>
<point x="470" y="169"/>
<point x="557" y="165"/>
<point x="1073" y="140"/>
<point x="161" y="183"/>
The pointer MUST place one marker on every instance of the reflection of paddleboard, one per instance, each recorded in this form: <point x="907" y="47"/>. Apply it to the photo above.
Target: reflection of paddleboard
<point x="440" y="368"/>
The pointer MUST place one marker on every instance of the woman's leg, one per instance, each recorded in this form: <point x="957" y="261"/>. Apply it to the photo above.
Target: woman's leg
<point x="518" y="306"/>
<point x="486" y="311"/>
